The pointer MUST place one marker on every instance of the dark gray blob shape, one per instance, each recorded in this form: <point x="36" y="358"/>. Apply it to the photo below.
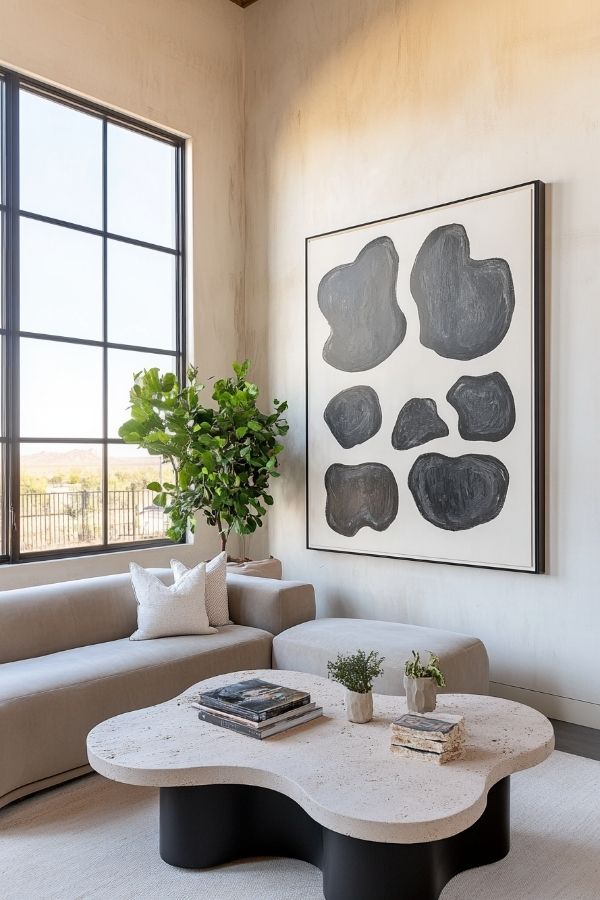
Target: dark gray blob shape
<point x="485" y="407"/>
<point x="465" y="305"/>
<point x="353" y="415"/>
<point x="418" y="422"/>
<point x="456" y="493"/>
<point x="358" y="299"/>
<point x="359" y="496"/>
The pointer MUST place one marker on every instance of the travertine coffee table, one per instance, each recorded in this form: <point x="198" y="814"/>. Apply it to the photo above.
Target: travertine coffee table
<point x="380" y="827"/>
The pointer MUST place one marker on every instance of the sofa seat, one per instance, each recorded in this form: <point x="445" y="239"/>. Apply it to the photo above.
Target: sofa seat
<point x="48" y="704"/>
<point x="308" y="647"/>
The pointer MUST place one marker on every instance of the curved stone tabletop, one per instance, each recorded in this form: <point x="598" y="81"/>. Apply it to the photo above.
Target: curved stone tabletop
<point x="343" y="775"/>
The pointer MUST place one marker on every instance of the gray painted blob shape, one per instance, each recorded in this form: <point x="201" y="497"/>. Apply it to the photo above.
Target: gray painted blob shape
<point x="353" y="415"/>
<point x="457" y="493"/>
<point x="465" y="305"/>
<point x="418" y="422"/>
<point x="358" y="299"/>
<point x="485" y="407"/>
<point x="359" y="496"/>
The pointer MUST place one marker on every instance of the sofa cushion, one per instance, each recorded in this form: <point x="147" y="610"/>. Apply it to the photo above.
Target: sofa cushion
<point x="309" y="646"/>
<point x="54" y="617"/>
<point x="257" y="568"/>
<point x="170" y="610"/>
<point x="215" y="592"/>
<point x="49" y="704"/>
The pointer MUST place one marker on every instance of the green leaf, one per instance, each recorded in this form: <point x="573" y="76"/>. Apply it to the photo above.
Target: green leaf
<point x="154" y="486"/>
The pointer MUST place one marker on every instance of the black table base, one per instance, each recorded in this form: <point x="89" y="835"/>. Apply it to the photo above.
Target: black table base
<point x="215" y="824"/>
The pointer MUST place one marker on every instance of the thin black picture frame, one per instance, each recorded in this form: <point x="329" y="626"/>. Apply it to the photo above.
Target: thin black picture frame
<point x="538" y="369"/>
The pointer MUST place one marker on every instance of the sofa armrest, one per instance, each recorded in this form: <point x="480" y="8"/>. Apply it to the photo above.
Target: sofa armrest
<point x="268" y="603"/>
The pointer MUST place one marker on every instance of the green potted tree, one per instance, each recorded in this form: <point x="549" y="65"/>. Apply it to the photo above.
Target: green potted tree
<point x="223" y="455"/>
<point x="421" y="682"/>
<point x="357" y="672"/>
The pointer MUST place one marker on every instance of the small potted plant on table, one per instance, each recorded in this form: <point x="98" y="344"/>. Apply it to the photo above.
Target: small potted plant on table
<point x="357" y="673"/>
<point x="421" y="682"/>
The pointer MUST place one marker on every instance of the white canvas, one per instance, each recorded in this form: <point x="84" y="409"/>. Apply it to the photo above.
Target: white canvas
<point x="499" y="226"/>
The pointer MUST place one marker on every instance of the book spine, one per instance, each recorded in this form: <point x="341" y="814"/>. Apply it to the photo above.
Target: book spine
<point x="215" y="719"/>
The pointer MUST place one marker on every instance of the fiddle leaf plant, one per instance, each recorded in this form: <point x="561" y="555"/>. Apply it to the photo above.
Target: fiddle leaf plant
<point x="223" y="455"/>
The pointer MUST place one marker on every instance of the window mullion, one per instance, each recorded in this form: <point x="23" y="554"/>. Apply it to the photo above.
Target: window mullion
<point x="105" y="332"/>
<point x="12" y="318"/>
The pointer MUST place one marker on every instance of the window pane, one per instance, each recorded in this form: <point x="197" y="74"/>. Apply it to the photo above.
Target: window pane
<point x="60" y="161"/>
<point x="61" y="390"/>
<point x="122" y="364"/>
<point x="141" y="187"/>
<point x="61" y="281"/>
<point x="131" y="514"/>
<point x="2" y="108"/>
<point x="3" y="548"/>
<point x="141" y="296"/>
<point x="61" y="496"/>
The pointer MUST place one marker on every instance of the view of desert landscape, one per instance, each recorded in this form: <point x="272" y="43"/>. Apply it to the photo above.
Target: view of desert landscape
<point x="61" y="495"/>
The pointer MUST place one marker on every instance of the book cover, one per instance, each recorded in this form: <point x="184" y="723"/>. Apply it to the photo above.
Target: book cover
<point x="249" y="722"/>
<point x="214" y="718"/>
<point x="440" y="728"/>
<point x="254" y="699"/>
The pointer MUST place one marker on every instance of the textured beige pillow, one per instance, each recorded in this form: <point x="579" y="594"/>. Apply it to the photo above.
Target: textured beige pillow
<point x="215" y="595"/>
<point x="165" y="611"/>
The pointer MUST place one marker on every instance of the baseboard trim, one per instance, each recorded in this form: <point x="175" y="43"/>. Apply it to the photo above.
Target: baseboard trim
<point x="567" y="709"/>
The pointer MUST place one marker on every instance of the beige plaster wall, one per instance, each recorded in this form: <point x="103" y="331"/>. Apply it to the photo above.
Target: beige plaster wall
<point x="178" y="64"/>
<point x="361" y="109"/>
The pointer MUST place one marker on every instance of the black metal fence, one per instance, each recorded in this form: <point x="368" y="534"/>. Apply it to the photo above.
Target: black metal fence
<point x="73" y="519"/>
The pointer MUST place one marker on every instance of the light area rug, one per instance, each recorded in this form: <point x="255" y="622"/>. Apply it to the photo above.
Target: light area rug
<point x="97" y="839"/>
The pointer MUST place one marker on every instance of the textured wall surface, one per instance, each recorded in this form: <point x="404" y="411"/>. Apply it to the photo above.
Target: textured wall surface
<point x="355" y="110"/>
<point x="179" y="64"/>
<point x="360" y="109"/>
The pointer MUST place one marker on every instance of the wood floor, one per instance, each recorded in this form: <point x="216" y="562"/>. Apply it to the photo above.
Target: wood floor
<point x="577" y="739"/>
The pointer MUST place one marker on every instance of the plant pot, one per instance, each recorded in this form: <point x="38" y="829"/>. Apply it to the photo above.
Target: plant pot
<point x="420" y="694"/>
<point x="359" y="707"/>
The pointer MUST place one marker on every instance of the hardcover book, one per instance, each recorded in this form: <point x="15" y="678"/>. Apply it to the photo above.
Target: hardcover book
<point x="438" y="728"/>
<point x="249" y="723"/>
<point x="438" y="758"/>
<point x="216" y="718"/>
<point x="254" y="699"/>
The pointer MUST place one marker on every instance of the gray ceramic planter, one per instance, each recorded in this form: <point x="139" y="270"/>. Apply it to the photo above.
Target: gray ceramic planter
<point x="420" y="694"/>
<point x="359" y="707"/>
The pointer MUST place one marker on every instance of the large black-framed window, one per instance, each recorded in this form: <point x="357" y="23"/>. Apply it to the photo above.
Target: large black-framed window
<point x="92" y="268"/>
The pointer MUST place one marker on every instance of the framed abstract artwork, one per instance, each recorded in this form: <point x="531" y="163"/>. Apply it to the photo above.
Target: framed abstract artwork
<point x="425" y="384"/>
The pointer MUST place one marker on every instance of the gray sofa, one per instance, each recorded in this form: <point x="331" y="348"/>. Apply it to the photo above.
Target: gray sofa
<point x="66" y="664"/>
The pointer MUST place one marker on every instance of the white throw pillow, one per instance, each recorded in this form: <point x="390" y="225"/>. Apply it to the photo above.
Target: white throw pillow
<point x="165" y="611"/>
<point x="217" y="605"/>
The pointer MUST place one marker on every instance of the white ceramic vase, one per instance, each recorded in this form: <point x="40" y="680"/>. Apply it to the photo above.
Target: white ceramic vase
<point x="420" y="694"/>
<point x="359" y="707"/>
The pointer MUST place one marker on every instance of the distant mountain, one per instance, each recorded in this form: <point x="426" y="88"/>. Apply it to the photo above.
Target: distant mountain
<point x="48" y="461"/>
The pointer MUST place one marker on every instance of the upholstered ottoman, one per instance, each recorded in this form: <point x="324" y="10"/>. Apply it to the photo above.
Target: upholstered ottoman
<point x="308" y="647"/>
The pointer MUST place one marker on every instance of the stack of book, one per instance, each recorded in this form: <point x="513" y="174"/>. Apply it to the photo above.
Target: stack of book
<point x="256" y="708"/>
<point x="437" y="738"/>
